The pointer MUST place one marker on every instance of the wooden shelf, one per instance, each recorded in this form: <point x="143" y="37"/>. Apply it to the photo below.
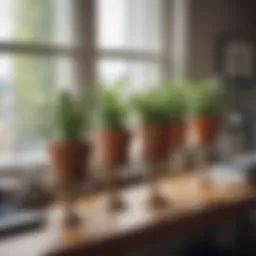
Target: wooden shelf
<point x="192" y="208"/>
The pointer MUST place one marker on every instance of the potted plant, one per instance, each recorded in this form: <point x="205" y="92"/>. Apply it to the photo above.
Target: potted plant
<point x="152" y="112"/>
<point x="69" y="151"/>
<point x="112" y="140"/>
<point x="177" y="106"/>
<point x="112" y="135"/>
<point x="207" y="103"/>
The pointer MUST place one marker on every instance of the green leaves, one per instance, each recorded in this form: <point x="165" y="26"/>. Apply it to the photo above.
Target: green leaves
<point x="112" y="106"/>
<point x="70" y="117"/>
<point x="175" y="99"/>
<point x="67" y="118"/>
<point x="147" y="108"/>
<point x="207" y="98"/>
<point x="161" y="105"/>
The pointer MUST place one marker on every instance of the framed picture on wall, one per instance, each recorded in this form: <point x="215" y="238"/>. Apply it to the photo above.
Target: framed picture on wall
<point x="236" y="56"/>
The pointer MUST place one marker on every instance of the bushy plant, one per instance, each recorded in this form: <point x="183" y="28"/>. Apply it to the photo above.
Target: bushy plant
<point x="161" y="105"/>
<point x="207" y="98"/>
<point x="71" y="118"/>
<point x="68" y="119"/>
<point x="150" y="107"/>
<point x="176" y="100"/>
<point x="112" y="106"/>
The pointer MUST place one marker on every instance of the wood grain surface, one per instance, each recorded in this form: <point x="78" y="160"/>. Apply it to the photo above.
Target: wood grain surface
<point x="192" y="207"/>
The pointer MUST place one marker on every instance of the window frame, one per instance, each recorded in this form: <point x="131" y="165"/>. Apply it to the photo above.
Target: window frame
<point x="85" y="52"/>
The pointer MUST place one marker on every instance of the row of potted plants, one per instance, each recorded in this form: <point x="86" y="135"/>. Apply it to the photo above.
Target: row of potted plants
<point x="161" y="118"/>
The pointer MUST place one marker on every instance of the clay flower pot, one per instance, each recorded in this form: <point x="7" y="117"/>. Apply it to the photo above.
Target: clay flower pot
<point x="206" y="129"/>
<point x="112" y="147"/>
<point x="155" y="142"/>
<point x="69" y="160"/>
<point x="177" y="135"/>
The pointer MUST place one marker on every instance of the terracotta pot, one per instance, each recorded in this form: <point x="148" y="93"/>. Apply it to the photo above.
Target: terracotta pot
<point x="206" y="129"/>
<point x="177" y="135"/>
<point x="69" y="160"/>
<point x="155" y="142"/>
<point x="112" y="147"/>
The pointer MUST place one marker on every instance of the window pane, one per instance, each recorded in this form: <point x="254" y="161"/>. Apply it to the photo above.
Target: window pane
<point x="140" y="75"/>
<point x="27" y="87"/>
<point x="37" y="21"/>
<point x="134" y="24"/>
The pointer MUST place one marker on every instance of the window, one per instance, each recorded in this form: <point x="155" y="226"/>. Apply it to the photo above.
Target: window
<point x="139" y="74"/>
<point x="36" y="21"/>
<point x="27" y="87"/>
<point x="35" y="41"/>
<point x="48" y="44"/>
<point x="130" y="41"/>
<point x="129" y="24"/>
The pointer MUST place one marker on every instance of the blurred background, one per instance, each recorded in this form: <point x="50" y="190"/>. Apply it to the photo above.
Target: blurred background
<point x="47" y="45"/>
<point x="50" y="44"/>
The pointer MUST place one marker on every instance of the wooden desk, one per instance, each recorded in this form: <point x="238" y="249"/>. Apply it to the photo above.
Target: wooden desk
<point x="102" y="233"/>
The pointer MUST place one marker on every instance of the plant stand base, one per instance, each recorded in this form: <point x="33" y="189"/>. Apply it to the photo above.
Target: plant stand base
<point x="116" y="204"/>
<point x="205" y="181"/>
<point x="71" y="220"/>
<point x="158" y="201"/>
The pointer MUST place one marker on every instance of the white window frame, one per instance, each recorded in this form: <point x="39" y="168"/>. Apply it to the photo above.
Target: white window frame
<point x="163" y="58"/>
<point x="86" y="53"/>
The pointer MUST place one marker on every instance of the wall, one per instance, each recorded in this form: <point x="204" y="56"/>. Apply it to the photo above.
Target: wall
<point x="207" y="18"/>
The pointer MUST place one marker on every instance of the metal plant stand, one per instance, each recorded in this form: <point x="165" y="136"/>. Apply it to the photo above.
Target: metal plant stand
<point x="115" y="202"/>
<point x="157" y="198"/>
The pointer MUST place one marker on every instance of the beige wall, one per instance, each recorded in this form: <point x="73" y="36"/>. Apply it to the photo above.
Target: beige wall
<point x="207" y="18"/>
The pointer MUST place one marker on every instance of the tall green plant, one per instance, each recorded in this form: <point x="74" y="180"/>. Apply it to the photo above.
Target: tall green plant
<point x="69" y="118"/>
<point x="160" y="105"/>
<point x="112" y="106"/>
<point x="175" y="97"/>
<point x="149" y="107"/>
<point x="207" y="98"/>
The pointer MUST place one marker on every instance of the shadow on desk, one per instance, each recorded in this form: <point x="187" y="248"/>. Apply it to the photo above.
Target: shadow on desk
<point x="236" y="237"/>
